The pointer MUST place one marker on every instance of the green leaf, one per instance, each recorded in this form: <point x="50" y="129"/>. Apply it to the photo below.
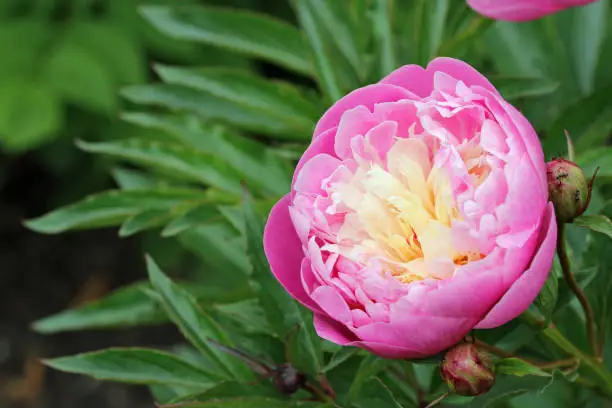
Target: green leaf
<point x="588" y="117"/>
<point x="80" y="77"/>
<point x="194" y="323"/>
<point x="546" y="301"/>
<point x="326" y="74"/>
<point x="340" y="357"/>
<point x="111" y="208"/>
<point x="229" y="389"/>
<point x="369" y="367"/>
<point x="585" y="41"/>
<point x="375" y="393"/>
<point x="281" y="310"/>
<point x="277" y="101"/>
<point x="139" y="366"/>
<point x="382" y="19"/>
<point x="144" y="221"/>
<point x="126" y="307"/>
<point x="248" y="313"/>
<point x="30" y="114"/>
<point x="175" y="160"/>
<point x="251" y="158"/>
<point x="519" y="368"/>
<point x="200" y="215"/>
<point x="210" y="107"/>
<point x="246" y="32"/>
<point x="128" y="179"/>
<point x="335" y="17"/>
<point x="598" y="223"/>
<point x="513" y="88"/>
<point x="118" y="51"/>
<point x="257" y="402"/>
<point x="219" y="245"/>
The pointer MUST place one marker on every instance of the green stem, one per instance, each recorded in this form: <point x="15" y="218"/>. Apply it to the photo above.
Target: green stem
<point x="588" y="365"/>
<point x="571" y="281"/>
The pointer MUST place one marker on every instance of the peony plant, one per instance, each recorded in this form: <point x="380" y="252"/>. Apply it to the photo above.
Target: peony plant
<point x="372" y="208"/>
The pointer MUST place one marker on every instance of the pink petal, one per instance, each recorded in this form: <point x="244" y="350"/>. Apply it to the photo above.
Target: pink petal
<point x="522" y="10"/>
<point x="313" y="172"/>
<point x="525" y="289"/>
<point x="414" y="78"/>
<point x="324" y="144"/>
<point x="284" y="251"/>
<point x="367" y="96"/>
<point x="461" y="71"/>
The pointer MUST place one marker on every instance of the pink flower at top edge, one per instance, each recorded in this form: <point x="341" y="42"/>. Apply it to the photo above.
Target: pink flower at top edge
<point x="522" y="10"/>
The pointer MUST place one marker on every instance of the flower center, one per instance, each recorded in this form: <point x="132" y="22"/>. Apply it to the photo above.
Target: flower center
<point x="401" y="215"/>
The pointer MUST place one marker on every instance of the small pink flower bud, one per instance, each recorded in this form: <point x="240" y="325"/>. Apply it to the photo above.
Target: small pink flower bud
<point x="569" y="189"/>
<point x="467" y="370"/>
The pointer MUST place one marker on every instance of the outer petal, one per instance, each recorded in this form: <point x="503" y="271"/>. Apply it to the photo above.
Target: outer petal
<point x="522" y="10"/>
<point x="284" y="251"/>
<point x="460" y="71"/>
<point x="367" y="96"/>
<point x="522" y="293"/>
<point x="324" y="144"/>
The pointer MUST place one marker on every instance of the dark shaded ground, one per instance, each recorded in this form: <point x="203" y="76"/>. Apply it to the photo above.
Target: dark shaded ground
<point x="41" y="275"/>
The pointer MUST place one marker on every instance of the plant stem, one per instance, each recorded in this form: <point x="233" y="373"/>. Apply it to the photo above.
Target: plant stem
<point x="560" y="363"/>
<point x="571" y="281"/>
<point x="494" y="350"/>
<point x="589" y="365"/>
<point x="438" y="400"/>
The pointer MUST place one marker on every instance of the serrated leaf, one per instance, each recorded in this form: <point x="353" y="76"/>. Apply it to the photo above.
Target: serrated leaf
<point x="242" y="31"/>
<point x="210" y="107"/>
<point x="194" y="323"/>
<point x="598" y="223"/>
<point x="139" y="366"/>
<point x="519" y="368"/>
<point x="110" y="208"/>
<point x="174" y="160"/>
<point x="275" y="100"/>
<point x="248" y="156"/>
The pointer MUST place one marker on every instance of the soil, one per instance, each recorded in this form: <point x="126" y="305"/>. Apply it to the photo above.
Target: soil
<point x="41" y="275"/>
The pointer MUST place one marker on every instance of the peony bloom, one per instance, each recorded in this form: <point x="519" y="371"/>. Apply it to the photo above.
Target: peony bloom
<point x="522" y="10"/>
<point x="419" y="212"/>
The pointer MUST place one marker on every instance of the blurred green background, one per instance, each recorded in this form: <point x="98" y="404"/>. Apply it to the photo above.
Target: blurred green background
<point x="173" y="137"/>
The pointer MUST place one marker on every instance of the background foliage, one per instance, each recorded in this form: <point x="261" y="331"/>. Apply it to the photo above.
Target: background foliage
<point x="219" y="104"/>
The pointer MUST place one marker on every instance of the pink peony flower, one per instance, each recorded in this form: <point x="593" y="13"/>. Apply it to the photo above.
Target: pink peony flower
<point x="522" y="10"/>
<point x="419" y="212"/>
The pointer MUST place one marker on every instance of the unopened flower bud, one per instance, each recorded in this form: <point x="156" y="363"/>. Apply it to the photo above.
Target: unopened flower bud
<point x="568" y="187"/>
<point x="467" y="370"/>
<point x="287" y="379"/>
